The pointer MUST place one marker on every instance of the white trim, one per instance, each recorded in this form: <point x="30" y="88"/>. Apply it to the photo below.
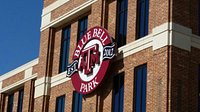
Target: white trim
<point x="17" y="84"/>
<point x="1" y="85"/>
<point x="163" y="35"/>
<point x="135" y="46"/>
<point x="53" y="6"/>
<point x="42" y="86"/>
<point x="19" y="69"/>
<point x="181" y="40"/>
<point x="172" y="34"/>
<point x="58" y="79"/>
<point x="181" y="36"/>
<point x="69" y="15"/>
<point x="46" y="19"/>
<point x="195" y="41"/>
<point x="28" y="72"/>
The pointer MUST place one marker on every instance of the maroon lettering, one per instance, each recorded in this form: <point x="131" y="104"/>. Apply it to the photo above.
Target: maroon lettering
<point x="89" y="57"/>
<point x="89" y="86"/>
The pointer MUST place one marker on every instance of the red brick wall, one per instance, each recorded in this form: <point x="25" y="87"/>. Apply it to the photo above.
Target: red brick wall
<point x="170" y="86"/>
<point x="6" y="103"/>
<point x="38" y="104"/>
<point x="44" y="38"/>
<point x="28" y="96"/>
<point x="71" y="4"/>
<point x="101" y="100"/>
<point x="186" y="13"/>
<point x="48" y="2"/>
<point x="13" y="79"/>
<point x="15" y="103"/>
<point x="184" y="81"/>
<point x="62" y="89"/>
<point x="112" y="10"/>
<point x="35" y="69"/>
<point x="131" y="25"/>
<point x="158" y="13"/>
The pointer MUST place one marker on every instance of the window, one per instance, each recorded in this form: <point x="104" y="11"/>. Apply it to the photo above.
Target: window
<point x="122" y="22"/>
<point x="20" y="100"/>
<point x="140" y="88"/>
<point x="65" y="47"/>
<point x="142" y="18"/>
<point x="82" y="27"/>
<point x="10" y="103"/>
<point x="77" y="102"/>
<point x="60" y="104"/>
<point x="118" y="93"/>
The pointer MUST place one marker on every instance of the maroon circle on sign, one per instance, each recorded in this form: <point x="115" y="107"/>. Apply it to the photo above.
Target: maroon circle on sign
<point x="91" y="59"/>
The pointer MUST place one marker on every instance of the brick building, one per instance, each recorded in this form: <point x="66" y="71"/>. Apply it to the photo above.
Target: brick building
<point x="156" y="67"/>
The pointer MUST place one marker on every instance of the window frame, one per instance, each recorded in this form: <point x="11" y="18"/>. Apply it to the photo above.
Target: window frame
<point x="122" y="20"/>
<point x="61" y="107"/>
<point x="77" y="102"/>
<point x="82" y="29"/>
<point x="140" y="101"/>
<point x="20" y="100"/>
<point x="65" y="48"/>
<point x="118" y="93"/>
<point x="10" y="103"/>
<point x="142" y="32"/>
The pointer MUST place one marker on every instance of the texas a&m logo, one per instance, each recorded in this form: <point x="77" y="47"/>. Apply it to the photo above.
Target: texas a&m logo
<point x="91" y="59"/>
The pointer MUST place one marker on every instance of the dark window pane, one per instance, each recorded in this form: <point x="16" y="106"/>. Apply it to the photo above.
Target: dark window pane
<point x="143" y="18"/>
<point x="140" y="88"/>
<point x="77" y="102"/>
<point x="60" y="104"/>
<point x="122" y="22"/>
<point x="10" y="103"/>
<point x="65" y="47"/>
<point x="118" y="93"/>
<point x="82" y="27"/>
<point x="20" y="101"/>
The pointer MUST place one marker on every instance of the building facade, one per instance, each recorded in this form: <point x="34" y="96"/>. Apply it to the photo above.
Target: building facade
<point x="156" y="67"/>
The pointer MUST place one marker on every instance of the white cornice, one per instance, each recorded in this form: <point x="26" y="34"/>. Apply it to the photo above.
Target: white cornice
<point x="19" y="69"/>
<point x="17" y="84"/>
<point x="195" y="41"/>
<point x="135" y="46"/>
<point x="58" y="79"/>
<point x="42" y="86"/>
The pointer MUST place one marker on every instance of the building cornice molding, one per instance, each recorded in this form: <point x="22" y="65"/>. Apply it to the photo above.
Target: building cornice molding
<point x="42" y="86"/>
<point x="19" y="69"/>
<point x="17" y="84"/>
<point x="58" y="79"/>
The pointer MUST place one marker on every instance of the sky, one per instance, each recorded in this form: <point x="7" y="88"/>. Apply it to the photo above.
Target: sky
<point x="20" y="22"/>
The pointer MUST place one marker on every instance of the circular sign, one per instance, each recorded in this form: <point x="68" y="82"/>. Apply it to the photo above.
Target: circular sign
<point x="91" y="59"/>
